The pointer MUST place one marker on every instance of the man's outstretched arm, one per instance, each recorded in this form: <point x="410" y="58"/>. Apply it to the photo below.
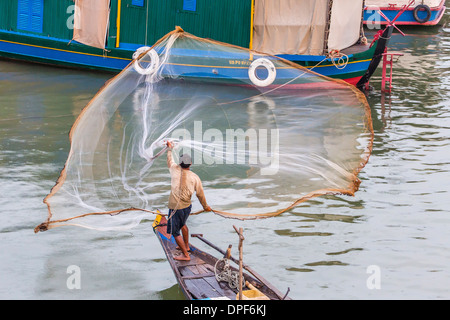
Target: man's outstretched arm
<point x="201" y="196"/>
<point x="170" y="161"/>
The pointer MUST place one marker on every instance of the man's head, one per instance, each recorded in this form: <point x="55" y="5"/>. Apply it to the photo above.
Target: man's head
<point x="185" y="161"/>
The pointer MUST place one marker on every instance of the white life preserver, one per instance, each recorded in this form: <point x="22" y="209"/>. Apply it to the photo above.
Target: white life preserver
<point x="266" y="63"/>
<point x="154" y="61"/>
<point x="139" y="51"/>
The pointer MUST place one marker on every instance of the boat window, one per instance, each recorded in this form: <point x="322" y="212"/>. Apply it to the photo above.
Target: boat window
<point x="30" y="15"/>
<point x="190" y="5"/>
<point x="138" y="3"/>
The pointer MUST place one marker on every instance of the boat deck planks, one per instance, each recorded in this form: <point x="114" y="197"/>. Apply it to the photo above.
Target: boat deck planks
<point x="196" y="277"/>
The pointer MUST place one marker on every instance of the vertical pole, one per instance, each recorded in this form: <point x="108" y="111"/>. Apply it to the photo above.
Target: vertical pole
<point x="119" y="7"/>
<point x="252" y="14"/>
<point x="241" y="239"/>
<point x="326" y="32"/>
<point x="240" y="263"/>
<point x="383" y="76"/>
<point x="391" y="64"/>
<point x="146" y="23"/>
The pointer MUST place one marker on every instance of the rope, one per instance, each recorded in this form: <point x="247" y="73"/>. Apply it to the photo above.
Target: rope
<point x="49" y="224"/>
<point x="342" y="59"/>
<point x="223" y="272"/>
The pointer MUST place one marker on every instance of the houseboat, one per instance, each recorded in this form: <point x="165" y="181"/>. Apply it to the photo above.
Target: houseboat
<point x="418" y="12"/>
<point x="323" y="35"/>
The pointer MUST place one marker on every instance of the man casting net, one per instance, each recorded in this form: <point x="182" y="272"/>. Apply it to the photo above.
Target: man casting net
<point x="263" y="134"/>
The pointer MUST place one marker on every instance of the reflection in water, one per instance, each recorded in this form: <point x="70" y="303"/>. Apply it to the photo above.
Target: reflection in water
<point x="291" y="233"/>
<point x="328" y="217"/>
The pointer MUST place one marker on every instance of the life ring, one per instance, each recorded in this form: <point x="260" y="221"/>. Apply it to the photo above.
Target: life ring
<point x="153" y="65"/>
<point x="420" y="7"/>
<point x="271" y="70"/>
<point x="139" y="51"/>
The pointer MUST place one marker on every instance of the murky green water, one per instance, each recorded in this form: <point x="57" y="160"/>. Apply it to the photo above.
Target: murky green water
<point x="397" y="224"/>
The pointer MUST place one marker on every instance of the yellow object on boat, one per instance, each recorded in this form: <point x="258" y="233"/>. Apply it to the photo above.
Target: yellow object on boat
<point x="252" y="294"/>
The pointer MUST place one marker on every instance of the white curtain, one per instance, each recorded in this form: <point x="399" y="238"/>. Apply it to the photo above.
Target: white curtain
<point x="290" y="26"/>
<point x="91" y="21"/>
<point x="345" y="24"/>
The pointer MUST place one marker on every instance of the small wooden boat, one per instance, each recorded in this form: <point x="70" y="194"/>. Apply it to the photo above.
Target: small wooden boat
<point x="417" y="13"/>
<point x="206" y="277"/>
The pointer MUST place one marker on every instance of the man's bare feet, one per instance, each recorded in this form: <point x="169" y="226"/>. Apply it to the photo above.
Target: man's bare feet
<point x="178" y="248"/>
<point x="182" y="257"/>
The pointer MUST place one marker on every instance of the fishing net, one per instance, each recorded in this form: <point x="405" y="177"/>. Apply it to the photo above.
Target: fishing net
<point x="264" y="135"/>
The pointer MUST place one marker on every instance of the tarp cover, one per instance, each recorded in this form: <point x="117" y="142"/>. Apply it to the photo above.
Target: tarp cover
<point x="91" y="20"/>
<point x="290" y="26"/>
<point x="299" y="26"/>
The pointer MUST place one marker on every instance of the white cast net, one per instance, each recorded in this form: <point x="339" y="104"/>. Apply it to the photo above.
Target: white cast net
<point x="264" y="135"/>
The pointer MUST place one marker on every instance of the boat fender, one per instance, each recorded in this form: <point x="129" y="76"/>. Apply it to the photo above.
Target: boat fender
<point x="154" y="62"/>
<point x="271" y="70"/>
<point x="420" y="7"/>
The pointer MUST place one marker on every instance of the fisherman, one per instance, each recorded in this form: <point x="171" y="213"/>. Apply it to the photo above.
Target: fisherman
<point x="183" y="184"/>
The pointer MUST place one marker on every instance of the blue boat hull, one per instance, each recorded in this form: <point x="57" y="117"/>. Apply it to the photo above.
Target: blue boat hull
<point x="53" y="51"/>
<point x="373" y="18"/>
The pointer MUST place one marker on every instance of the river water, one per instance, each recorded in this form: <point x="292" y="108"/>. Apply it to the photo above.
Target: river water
<point x="389" y="241"/>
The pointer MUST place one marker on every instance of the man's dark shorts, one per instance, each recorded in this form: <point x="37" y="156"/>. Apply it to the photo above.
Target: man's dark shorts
<point x="177" y="220"/>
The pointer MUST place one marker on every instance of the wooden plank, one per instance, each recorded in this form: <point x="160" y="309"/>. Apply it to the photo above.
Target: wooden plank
<point x="184" y="271"/>
<point x="221" y="287"/>
<point x="194" y="269"/>
<point x="210" y="278"/>
<point x="209" y="267"/>
<point x="194" y="261"/>
<point x="203" y="287"/>
<point x="174" y="268"/>
<point x="194" y="291"/>
<point x="246" y="267"/>
<point x="197" y="276"/>
<point x="202" y="268"/>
